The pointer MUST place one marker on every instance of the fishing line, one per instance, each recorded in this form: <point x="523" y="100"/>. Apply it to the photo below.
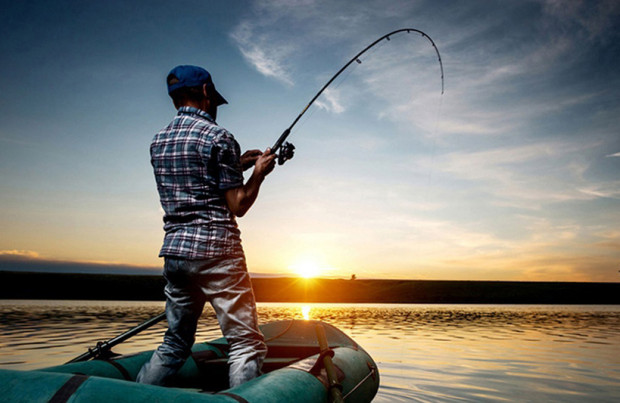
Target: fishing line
<point x="287" y="149"/>
<point x="433" y="149"/>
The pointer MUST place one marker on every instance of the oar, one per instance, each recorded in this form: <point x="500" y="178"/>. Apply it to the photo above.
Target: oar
<point x="104" y="346"/>
<point x="335" y="389"/>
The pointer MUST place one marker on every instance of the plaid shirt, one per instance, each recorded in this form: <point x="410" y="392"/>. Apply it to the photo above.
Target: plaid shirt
<point x="195" y="161"/>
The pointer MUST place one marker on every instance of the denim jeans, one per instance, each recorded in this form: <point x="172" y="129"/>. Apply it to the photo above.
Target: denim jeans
<point x="225" y="283"/>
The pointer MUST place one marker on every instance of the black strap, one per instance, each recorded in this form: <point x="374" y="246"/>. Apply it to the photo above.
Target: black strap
<point x="68" y="389"/>
<point x="236" y="397"/>
<point x="120" y="369"/>
<point x="316" y="368"/>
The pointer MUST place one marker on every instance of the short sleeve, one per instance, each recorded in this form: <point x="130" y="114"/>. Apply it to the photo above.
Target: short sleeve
<point x="230" y="173"/>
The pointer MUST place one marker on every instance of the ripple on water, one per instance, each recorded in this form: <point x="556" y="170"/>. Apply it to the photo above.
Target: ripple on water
<point x="425" y="353"/>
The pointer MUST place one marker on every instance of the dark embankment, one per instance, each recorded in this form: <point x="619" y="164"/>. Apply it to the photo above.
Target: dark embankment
<point x="22" y="285"/>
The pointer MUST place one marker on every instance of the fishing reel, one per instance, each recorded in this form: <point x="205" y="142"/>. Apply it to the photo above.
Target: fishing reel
<point x="286" y="153"/>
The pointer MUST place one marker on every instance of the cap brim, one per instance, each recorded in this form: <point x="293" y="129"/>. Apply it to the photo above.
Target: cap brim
<point x="218" y="98"/>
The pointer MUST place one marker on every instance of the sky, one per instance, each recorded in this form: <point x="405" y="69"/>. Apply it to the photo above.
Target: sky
<point x="511" y="174"/>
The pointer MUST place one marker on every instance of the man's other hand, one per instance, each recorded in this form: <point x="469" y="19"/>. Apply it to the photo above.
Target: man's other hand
<point x="248" y="159"/>
<point x="265" y="163"/>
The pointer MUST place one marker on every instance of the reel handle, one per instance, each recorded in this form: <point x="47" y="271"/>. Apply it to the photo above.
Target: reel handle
<point x="287" y="151"/>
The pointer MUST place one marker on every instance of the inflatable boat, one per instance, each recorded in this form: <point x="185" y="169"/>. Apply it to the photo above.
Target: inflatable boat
<point x="307" y="361"/>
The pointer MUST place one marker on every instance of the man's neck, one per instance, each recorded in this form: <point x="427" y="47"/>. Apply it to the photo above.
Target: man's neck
<point x="203" y="106"/>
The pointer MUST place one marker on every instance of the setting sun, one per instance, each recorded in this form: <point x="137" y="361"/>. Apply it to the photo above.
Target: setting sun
<point x="306" y="269"/>
<point x="310" y="266"/>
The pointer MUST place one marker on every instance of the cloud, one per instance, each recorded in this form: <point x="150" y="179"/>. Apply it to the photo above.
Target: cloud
<point x="613" y="155"/>
<point x="554" y="254"/>
<point x="30" y="261"/>
<point x="280" y="39"/>
<point x="566" y="267"/>
<point x="268" y="60"/>
<point x="330" y="101"/>
<point x="603" y="189"/>
<point x="500" y="83"/>
<point x="511" y="175"/>
<point x="485" y="71"/>
<point x="19" y="253"/>
<point x="595" y="18"/>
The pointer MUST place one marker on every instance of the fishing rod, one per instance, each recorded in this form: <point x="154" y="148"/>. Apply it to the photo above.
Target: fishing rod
<point x="103" y="348"/>
<point x="287" y="149"/>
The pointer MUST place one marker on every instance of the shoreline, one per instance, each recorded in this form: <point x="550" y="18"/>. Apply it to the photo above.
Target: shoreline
<point x="78" y="286"/>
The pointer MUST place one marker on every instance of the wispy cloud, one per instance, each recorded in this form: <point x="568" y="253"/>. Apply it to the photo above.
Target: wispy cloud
<point x="604" y="189"/>
<point x="594" y="17"/>
<point x="330" y="101"/>
<point x="268" y="59"/>
<point x="484" y="70"/>
<point x="267" y="49"/>
<point x="280" y="38"/>
<point x="480" y="65"/>
<point x="527" y="175"/>
<point x="19" y="253"/>
<point x="613" y="155"/>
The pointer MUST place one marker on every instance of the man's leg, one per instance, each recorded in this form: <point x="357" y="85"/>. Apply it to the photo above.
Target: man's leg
<point x="184" y="304"/>
<point x="229" y="290"/>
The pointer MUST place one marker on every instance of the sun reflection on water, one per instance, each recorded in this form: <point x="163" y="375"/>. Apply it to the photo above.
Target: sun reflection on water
<point x="305" y="311"/>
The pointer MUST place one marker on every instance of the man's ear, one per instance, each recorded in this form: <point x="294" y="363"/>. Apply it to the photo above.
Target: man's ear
<point x="206" y="94"/>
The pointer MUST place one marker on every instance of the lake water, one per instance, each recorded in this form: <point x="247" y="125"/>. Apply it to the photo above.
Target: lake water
<point x="425" y="353"/>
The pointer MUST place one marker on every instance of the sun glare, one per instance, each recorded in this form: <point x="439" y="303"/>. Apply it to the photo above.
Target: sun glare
<point x="305" y="311"/>
<point x="306" y="269"/>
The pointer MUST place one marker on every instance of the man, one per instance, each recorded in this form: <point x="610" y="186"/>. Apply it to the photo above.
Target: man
<point x="199" y="175"/>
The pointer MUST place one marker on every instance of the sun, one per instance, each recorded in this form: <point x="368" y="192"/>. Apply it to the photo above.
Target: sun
<point x="306" y="269"/>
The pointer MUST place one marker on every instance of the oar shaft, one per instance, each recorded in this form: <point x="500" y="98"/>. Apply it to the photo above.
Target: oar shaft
<point x="107" y="345"/>
<point x="132" y="332"/>
<point x="335" y="392"/>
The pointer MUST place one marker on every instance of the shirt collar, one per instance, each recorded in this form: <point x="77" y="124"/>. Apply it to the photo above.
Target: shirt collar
<point x="190" y="110"/>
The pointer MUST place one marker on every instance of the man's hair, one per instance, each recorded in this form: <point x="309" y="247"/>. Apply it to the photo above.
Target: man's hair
<point x="184" y="95"/>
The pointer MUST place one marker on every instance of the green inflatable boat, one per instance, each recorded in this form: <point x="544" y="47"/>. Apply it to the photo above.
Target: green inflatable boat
<point x="307" y="361"/>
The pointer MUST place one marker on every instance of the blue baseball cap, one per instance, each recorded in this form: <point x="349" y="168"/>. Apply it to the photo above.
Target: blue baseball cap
<point x="192" y="76"/>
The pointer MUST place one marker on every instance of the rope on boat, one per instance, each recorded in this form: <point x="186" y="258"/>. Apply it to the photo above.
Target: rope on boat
<point x="372" y="373"/>
<point x="281" y="333"/>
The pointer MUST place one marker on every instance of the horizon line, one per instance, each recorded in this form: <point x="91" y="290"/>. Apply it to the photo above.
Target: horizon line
<point x="294" y="277"/>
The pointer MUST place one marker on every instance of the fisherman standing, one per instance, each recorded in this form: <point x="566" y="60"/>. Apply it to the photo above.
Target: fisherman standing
<point x="199" y="173"/>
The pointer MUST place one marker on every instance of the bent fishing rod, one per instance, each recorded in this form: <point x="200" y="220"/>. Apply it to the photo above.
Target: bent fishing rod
<point x="286" y="153"/>
<point x="287" y="149"/>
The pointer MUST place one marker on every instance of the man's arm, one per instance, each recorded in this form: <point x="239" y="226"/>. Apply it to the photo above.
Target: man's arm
<point x="240" y="199"/>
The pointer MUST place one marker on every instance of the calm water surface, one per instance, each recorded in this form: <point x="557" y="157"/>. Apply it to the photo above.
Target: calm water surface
<point x="425" y="353"/>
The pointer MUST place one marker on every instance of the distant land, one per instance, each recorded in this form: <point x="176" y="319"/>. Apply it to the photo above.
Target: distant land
<point x="79" y="286"/>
